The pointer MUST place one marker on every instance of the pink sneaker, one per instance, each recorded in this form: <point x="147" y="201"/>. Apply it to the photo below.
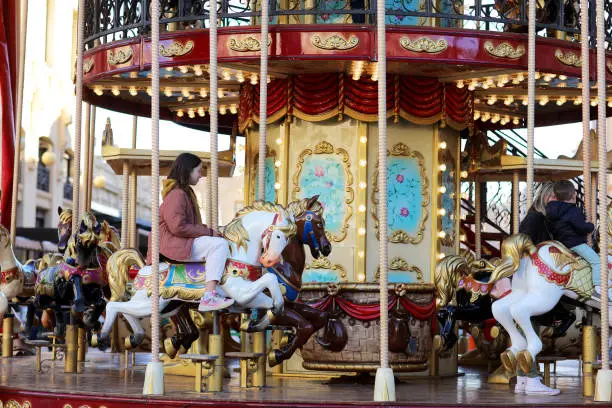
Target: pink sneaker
<point x="212" y="301"/>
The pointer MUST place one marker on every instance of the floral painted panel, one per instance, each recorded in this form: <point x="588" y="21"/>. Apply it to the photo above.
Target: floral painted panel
<point x="405" y="5"/>
<point x="447" y="202"/>
<point x="334" y="6"/>
<point x="270" y="180"/>
<point x="320" y="275"/>
<point x="405" y="201"/>
<point x="325" y="175"/>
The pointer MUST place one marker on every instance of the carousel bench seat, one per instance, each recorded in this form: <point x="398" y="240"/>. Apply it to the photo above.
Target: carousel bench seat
<point x="39" y="344"/>
<point x="248" y="364"/>
<point x="201" y="361"/>
<point x="547" y="361"/>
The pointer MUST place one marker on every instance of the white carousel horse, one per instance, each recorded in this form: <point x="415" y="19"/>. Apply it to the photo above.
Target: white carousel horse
<point x="262" y="227"/>
<point x="540" y="276"/>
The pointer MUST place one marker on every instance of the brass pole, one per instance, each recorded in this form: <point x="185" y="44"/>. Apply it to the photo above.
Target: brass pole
<point x="259" y="346"/>
<point x="588" y="356"/>
<point x="71" y="349"/>
<point x="215" y="348"/>
<point x="7" y="335"/>
<point x="82" y="344"/>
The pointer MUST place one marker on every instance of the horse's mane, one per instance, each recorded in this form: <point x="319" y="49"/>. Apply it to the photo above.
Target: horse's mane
<point x="301" y="206"/>
<point x="512" y="250"/>
<point x="66" y="216"/>
<point x="446" y="276"/>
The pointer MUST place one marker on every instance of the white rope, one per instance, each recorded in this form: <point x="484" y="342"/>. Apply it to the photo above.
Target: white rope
<point x="586" y="107"/>
<point x="133" y="194"/>
<point x="263" y="101"/>
<point x="76" y="165"/>
<point x="92" y="142"/>
<point x="212" y="176"/>
<point x="531" y="98"/>
<point x="515" y="202"/>
<point x="603" y="214"/>
<point x="383" y="248"/>
<point x="124" y="205"/>
<point x="477" y="219"/>
<point x="23" y="23"/>
<point x="155" y="320"/>
<point x="85" y="147"/>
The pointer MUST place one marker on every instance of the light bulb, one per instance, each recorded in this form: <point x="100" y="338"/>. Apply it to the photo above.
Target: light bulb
<point x="203" y="93"/>
<point x="220" y="93"/>
<point x="201" y="112"/>
<point x="525" y="101"/>
<point x="191" y="113"/>
<point x="233" y="109"/>
<point x="515" y="121"/>
<point x="363" y="162"/>
<point x="197" y="70"/>
<point x="460" y="84"/>
<point x="362" y="185"/>
<point x="442" y="189"/>
<point x="443" y="145"/>
<point x="254" y="79"/>
<point x="277" y="186"/>
<point x="361" y="231"/>
<point x="240" y="77"/>
<point x="363" y="139"/>
<point x="443" y="167"/>
<point x="562" y="99"/>
<point x="362" y="208"/>
<point x="168" y="92"/>
<point x="279" y="141"/>
<point x="185" y="92"/>
<point x="361" y="277"/>
<point x="226" y="75"/>
<point x="509" y="100"/>
<point x="464" y="174"/>
<point x="476" y="115"/>
<point x="277" y="163"/>
<point x="360" y="254"/>
<point x="149" y="91"/>
<point x="441" y="234"/>
<point x="441" y="256"/>
<point x="180" y="113"/>
<point x="472" y="85"/>
<point x="183" y="69"/>
<point x="115" y="90"/>
<point x="98" y="90"/>
<point x="223" y="109"/>
<point x="441" y="212"/>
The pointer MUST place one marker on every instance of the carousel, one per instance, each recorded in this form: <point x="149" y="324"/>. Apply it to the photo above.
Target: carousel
<point x="356" y="276"/>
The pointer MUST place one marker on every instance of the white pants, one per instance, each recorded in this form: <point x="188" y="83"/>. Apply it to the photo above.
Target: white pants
<point x="215" y="251"/>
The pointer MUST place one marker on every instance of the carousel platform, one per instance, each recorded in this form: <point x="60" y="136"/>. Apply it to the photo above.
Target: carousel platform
<point x="104" y="383"/>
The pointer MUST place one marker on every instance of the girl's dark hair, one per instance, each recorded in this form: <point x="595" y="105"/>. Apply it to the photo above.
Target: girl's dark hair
<point x="182" y="167"/>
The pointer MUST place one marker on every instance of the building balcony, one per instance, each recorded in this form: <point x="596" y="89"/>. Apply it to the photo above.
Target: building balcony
<point x="43" y="178"/>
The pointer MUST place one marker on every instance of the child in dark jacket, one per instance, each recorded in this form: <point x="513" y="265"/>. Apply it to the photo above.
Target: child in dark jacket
<point x="569" y="225"/>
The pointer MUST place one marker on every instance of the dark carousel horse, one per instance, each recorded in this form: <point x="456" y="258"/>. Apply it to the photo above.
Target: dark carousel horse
<point x="465" y="295"/>
<point x="304" y="319"/>
<point x="547" y="12"/>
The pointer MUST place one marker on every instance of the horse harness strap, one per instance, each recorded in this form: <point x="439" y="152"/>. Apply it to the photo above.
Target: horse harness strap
<point x="308" y="234"/>
<point x="267" y="234"/>
<point x="89" y="275"/>
<point x="472" y="285"/>
<point x="549" y="274"/>
<point x="237" y="269"/>
<point x="9" y="275"/>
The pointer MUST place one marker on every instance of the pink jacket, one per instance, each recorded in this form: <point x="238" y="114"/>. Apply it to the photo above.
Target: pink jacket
<point x="177" y="226"/>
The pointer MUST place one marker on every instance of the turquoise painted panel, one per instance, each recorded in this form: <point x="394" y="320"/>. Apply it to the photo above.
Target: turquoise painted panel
<point x="448" y="202"/>
<point x="401" y="277"/>
<point x="324" y="175"/>
<point x="404" y="190"/>
<point x="403" y="5"/>
<point x="319" y="275"/>
<point x="333" y="5"/>
<point x="270" y="180"/>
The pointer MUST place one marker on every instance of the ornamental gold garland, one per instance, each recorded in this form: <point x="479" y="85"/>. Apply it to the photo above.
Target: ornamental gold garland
<point x="570" y="58"/>
<point x="424" y="44"/>
<point x="120" y="56"/>
<point x="176" y="49"/>
<point x="504" y="50"/>
<point x="334" y="42"/>
<point x="246" y="44"/>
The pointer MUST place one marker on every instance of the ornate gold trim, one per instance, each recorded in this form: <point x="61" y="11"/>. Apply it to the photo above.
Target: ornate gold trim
<point x="400" y="236"/>
<point x="269" y="153"/>
<point x="334" y="42"/>
<point x="120" y="56"/>
<point x="14" y="404"/>
<point x="424" y="44"/>
<point x="325" y="263"/>
<point x="504" y="50"/>
<point x="327" y="148"/>
<point x="370" y="287"/>
<point x="445" y="156"/>
<point x="88" y="65"/>
<point x="570" y="58"/>
<point x="246" y="44"/>
<point x="176" y="49"/>
<point x="399" y="264"/>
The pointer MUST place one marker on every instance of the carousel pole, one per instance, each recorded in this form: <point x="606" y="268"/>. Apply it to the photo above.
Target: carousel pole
<point x="90" y="154"/>
<point x="76" y="165"/>
<point x="84" y="205"/>
<point x="133" y="189"/>
<point x="531" y="49"/>
<point x="125" y="205"/>
<point x="477" y="219"/>
<point x="215" y="340"/>
<point x="259" y="338"/>
<point x="603" y="382"/>
<point x="586" y="108"/>
<point x="23" y="23"/>
<point x="384" y="386"/>
<point x="154" y="376"/>
<point x="515" y="202"/>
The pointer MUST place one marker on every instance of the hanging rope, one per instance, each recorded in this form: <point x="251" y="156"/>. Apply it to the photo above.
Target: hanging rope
<point x="383" y="248"/>
<point x="76" y="165"/>
<point x="477" y="219"/>
<point x="133" y="193"/>
<point x="90" y="152"/>
<point x="586" y="110"/>
<point x="124" y="205"/>
<point x="212" y="208"/>
<point x="515" y="202"/>
<point x="531" y="98"/>
<point x="23" y="23"/>
<point x="155" y="320"/>
<point x="603" y="196"/>
<point x="263" y="101"/>
<point x="85" y="147"/>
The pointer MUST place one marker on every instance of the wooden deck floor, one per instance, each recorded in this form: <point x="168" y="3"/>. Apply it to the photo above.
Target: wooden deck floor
<point x="104" y="383"/>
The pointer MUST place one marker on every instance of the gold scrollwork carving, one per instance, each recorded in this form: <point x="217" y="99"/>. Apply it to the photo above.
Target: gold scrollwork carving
<point x="246" y="44"/>
<point x="334" y="42"/>
<point x="569" y="58"/>
<point x="176" y="49"/>
<point x="424" y="44"/>
<point x="327" y="148"/>
<point x="269" y="153"/>
<point x="400" y="236"/>
<point x="14" y="404"/>
<point x="325" y="263"/>
<point x="88" y="65"/>
<point x="121" y="56"/>
<point x="504" y="50"/>
<point x="400" y="264"/>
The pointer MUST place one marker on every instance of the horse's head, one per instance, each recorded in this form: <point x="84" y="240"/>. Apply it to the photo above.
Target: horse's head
<point x="64" y="228"/>
<point x="311" y="225"/>
<point x="87" y="239"/>
<point x="276" y="237"/>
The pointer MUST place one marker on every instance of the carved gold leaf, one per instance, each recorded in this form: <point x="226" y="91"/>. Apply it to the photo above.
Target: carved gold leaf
<point x="569" y="58"/>
<point x="334" y="42"/>
<point x="400" y="264"/>
<point x="325" y="263"/>
<point x="400" y="236"/>
<point x="246" y="44"/>
<point x="88" y="65"/>
<point x="121" y="56"/>
<point x="504" y="50"/>
<point x="327" y="148"/>
<point x="424" y="44"/>
<point x="176" y="49"/>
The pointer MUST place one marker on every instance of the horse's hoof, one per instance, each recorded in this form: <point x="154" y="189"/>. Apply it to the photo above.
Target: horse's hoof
<point x="438" y="342"/>
<point x="127" y="342"/>
<point x="169" y="348"/>
<point x="525" y="360"/>
<point x="508" y="360"/>
<point x="94" y="340"/>
<point x="273" y="358"/>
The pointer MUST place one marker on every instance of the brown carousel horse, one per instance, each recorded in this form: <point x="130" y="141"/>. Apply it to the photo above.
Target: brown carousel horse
<point x="305" y="320"/>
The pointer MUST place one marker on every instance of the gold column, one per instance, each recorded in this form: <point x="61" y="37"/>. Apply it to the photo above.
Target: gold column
<point x="7" y="335"/>
<point x="362" y="202"/>
<point x="589" y="351"/>
<point x="458" y="197"/>
<point x="259" y="346"/>
<point x="215" y="348"/>
<point x="71" y="349"/>
<point x="283" y="176"/>
<point x="82" y="344"/>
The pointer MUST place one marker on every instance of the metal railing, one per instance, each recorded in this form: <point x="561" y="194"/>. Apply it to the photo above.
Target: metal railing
<point x="43" y="178"/>
<point x="112" y="20"/>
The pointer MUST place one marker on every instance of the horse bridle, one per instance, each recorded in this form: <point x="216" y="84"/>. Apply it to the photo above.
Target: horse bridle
<point x="308" y="236"/>
<point x="267" y="234"/>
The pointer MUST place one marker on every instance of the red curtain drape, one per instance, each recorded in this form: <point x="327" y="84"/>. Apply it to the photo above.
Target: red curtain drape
<point x="8" y="79"/>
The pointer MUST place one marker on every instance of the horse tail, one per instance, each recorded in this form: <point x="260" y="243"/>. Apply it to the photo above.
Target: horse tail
<point x="512" y="250"/>
<point x="446" y="276"/>
<point x="118" y="270"/>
